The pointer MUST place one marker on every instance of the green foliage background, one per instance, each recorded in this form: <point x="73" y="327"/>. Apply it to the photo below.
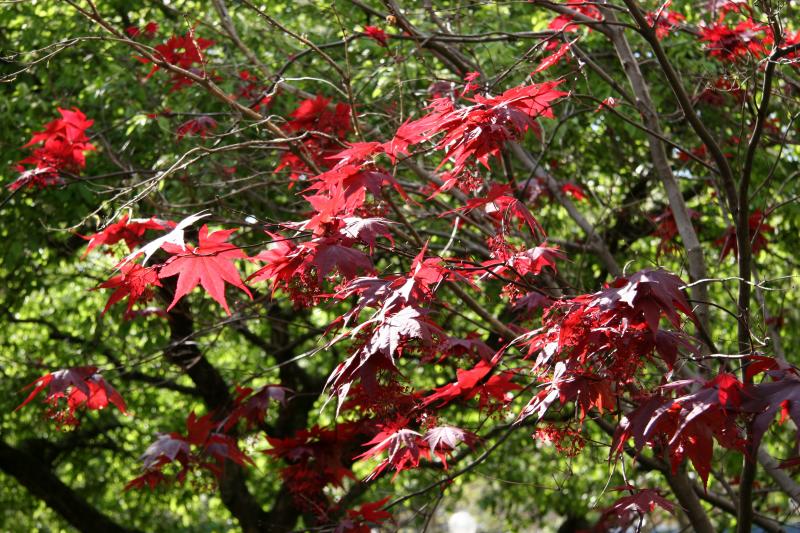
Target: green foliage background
<point x="50" y="314"/>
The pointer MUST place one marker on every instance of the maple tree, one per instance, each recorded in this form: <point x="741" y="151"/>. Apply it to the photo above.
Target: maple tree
<point x="341" y="266"/>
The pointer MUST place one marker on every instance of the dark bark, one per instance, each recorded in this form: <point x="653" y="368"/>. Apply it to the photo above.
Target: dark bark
<point x="284" y="513"/>
<point x="42" y="483"/>
<point x="184" y="352"/>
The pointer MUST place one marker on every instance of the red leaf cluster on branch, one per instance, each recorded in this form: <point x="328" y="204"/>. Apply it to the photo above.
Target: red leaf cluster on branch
<point x="184" y="51"/>
<point x="203" y="446"/>
<point x="478" y="131"/>
<point x="81" y="387"/>
<point x="63" y="146"/>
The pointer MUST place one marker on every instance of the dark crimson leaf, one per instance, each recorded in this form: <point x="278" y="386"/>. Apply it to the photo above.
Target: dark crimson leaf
<point x="627" y="510"/>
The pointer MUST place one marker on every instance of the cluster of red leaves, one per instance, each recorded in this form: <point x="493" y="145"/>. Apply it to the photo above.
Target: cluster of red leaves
<point x="792" y="58"/>
<point x="252" y="91"/>
<point x="687" y="425"/>
<point x="469" y="86"/>
<point x="624" y="512"/>
<point x="479" y="131"/>
<point x="732" y="43"/>
<point x="399" y="323"/>
<point x="567" y="23"/>
<point x="592" y="345"/>
<point x="666" y="230"/>
<point x="300" y="269"/>
<point x="149" y="31"/>
<point x="520" y="262"/>
<point x="664" y="20"/>
<point x="203" y="446"/>
<point x="81" y="387"/>
<point x="325" y="125"/>
<point x="364" y="519"/>
<point x="781" y="394"/>
<point x="376" y="34"/>
<point x="320" y="457"/>
<point x="492" y="387"/>
<point x="567" y="440"/>
<point x="553" y="59"/>
<point x="336" y="226"/>
<point x="316" y="457"/>
<point x="134" y="282"/>
<point x="209" y="265"/>
<point x="63" y="147"/>
<point x="197" y="126"/>
<point x="129" y="230"/>
<point x="184" y="51"/>
<point x="588" y="351"/>
<point x="209" y="440"/>
<point x="758" y="228"/>
<point x="251" y="405"/>
<point x="390" y="318"/>
<point x="499" y="206"/>
<point x="405" y="447"/>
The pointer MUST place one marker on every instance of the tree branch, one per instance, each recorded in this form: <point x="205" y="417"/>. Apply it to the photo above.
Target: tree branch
<point x="45" y="485"/>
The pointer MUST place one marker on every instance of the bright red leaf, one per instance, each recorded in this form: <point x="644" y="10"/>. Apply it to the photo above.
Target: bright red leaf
<point x="209" y="265"/>
<point x="131" y="231"/>
<point x="81" y="387"/>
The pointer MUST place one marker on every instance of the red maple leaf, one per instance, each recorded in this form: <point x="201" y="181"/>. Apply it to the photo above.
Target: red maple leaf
<point x="587" y="390"/>
<point x="363" y="518"/>
<point x="688" y="425"/>
<point x="166" y="449"/>
<point x="766" y="399"/>
<point x="82" y="386"/>
<point x="71" y="127"/>
<point x="731" y="43"/>
<point x="302" y="269"/>
<point x="565" y="22"/>
<point x="196" y="126"/>
<point x="531" y="261"/>
<point x="183" y="51"/>
<point x="664" y="20"/>
<point x="479" y="131"/>
<point x="552" y="59"/>
<point x="316" y="458"/>
<point x="651" y="292"/>
<point x="473" y="382"/>
<point x="135" y="282"/>
<point x="210" y="265"/>
<point x="623" y="512"/>
<point x="500" y="206"/>
<point x="404" y="448"/>
<point x="758" y="227"/>
<point x="443" y="440"/>
<point x="376" y="34"/>
<point x="667" y="230"/>
<point x="149" y="30"/>
<point x="203" y="441"/>
<point x="130" y="231"/>
<point x="318" y="114"/>
<point x="252" y="405"/>
<point x="63" y="147"/>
